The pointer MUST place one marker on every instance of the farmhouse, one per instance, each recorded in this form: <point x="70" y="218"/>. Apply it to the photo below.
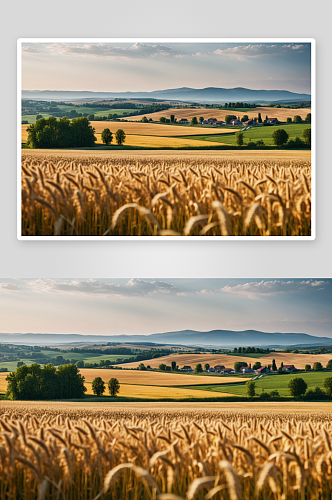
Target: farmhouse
<point x="263" y="370"/>
<point x="236" y="122"/>
<point x="289" y="368"/>
<point x="212" y="120"/>
<point x="186" y="369"/>
<point x="184" y="121"/>
<point x="250" y="123"/>
<point x="228" y="370"/>
<point x="211" y="370"/>
<point x="219" y="368"/>
<point x="219" y="123"/>
<point x="272" y="120"/>
<point x="247" y="369"/>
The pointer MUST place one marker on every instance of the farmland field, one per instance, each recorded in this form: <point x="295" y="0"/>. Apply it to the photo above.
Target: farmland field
<point x="272" y="383"/>
<point x="257" y="133"/>
<point x="82" y="109"/>
<point x="155" y="378"/>
<point x="281" y="113"/>
<point x="133" y="195"/>
<point x="143" y="450"/>
<point x="228" y="360"/>
<point x="160" y="392"/>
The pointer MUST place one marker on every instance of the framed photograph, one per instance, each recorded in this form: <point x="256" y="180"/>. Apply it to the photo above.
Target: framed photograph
<point x="166" y="138"/>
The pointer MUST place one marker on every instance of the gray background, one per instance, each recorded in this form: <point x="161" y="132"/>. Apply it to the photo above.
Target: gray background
<point x="160" y="18"/>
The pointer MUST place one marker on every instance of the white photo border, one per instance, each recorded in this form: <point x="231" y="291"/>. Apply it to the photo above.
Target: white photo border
<point x="312" y="42"/>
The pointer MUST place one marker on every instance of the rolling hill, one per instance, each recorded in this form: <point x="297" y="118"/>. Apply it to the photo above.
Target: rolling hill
<point x="217" y="338"/>
<point x="185" y="94"/>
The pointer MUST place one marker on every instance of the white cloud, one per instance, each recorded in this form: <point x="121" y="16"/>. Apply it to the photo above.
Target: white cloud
<point x="9" y="286"/>
<point x="242" y="52"/>
<point x="272" y="287"/>
<point x="124" y="51"/>
<point x="133" y="288"/>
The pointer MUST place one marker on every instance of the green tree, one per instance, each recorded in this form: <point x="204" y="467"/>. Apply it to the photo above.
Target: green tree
<point x="257" y="365"/>
<point x="113" y="387"/>
<point x="142" y="367"/>
<point x="71" y="383"/>
<point x="318" y="366"/>
<point x="297" y="119"/>
<point x="206" y="366"/>
<point x="106" y="136"/>
<point x="297" y="387"/>
<point x="172" y="118"/>
<point x="19" y="363"/>
<point x="315" y="394"/>
<point x="120" y="137"/>
<point x="194" y="120"/>
<point x="251" y="389"/>
<point x="306" y="134"/>
<point x="198" y="368"/>
<point x="308" y="118"/>
<point x="229" y="118"/>
<point x="80" y="364"/>
<point x="307" y="368"/>
<point x="173" y="364"/>
<point x="91" y="118"/>
<point x="274" y="366"/>
<point x="82" y="132"/>
<point x="239" y="138"/>
<point x="259" y="118"/>
<point x="280" y="137"/>
<point x="38" y="117"/>
<point x="329" y="365"/>
<point x="144" y="120"/>
<point x="201" y="119"/>
<point x="162" y="119"/>
<point x="239" y="364"/>
<point x="244" y="118"/>
<point x="289" y="120"/>
<point x="162" y="367"/>
<point x="98" y="386"/>
<point x="327" y="384"/>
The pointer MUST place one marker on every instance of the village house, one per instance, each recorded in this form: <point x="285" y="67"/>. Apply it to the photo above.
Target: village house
<point x="219" y="368"/>
<point x="212" y="120"/>
<point x="272" y="120"/>
<point x="211" y="370"/>
<point x="186" y="369"/>
<point x="263" y="370"/>
<point x="184" y="121"/>
<point x="236" y="122"/>
<point x="249" y="123"/>
<point x="247" y="369"/>
<point x="219" y="123"/>
<point x="289" y="368"/>
<point x="228" y="370"/>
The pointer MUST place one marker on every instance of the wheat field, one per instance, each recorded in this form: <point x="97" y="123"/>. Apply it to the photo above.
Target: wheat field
<point x="160" y="392"/>
<point x="281" y="113"/>
<point x="147" y="378"/>
<point x="186" y="454"/>
<point x="227" y="360"/>
<point x="85" y="195"/>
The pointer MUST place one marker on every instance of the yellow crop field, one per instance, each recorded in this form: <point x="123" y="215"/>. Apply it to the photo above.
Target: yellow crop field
<point x="281" y="113"/>
<point x="168" y="196"/>
<point x="157" y="392"/>
<point x="3" y="382"/>
<point x="172" y="452"/>
<point x="154" y="378"/>
<point x="287" y="358"/>
<point x="148" y="129"/>
<point x="152" y="141"/>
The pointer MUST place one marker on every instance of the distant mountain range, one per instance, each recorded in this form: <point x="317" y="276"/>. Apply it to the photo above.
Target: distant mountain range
<point x="209" y="94"/>
<point x="216" y="338"/>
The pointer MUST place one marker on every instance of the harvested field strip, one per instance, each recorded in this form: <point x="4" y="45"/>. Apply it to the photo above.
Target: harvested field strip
<point x="281" y="113"/>
<point x="152" y="141"/>
<point x="159" y="392"/>
<point x="152" y="197"/>
<point x="139" y="377"/>
<point x="236" y="455"/>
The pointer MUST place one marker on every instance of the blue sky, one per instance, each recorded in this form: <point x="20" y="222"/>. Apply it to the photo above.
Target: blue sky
<point x="119" y="67"/>
<point x="144" y="306"/>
